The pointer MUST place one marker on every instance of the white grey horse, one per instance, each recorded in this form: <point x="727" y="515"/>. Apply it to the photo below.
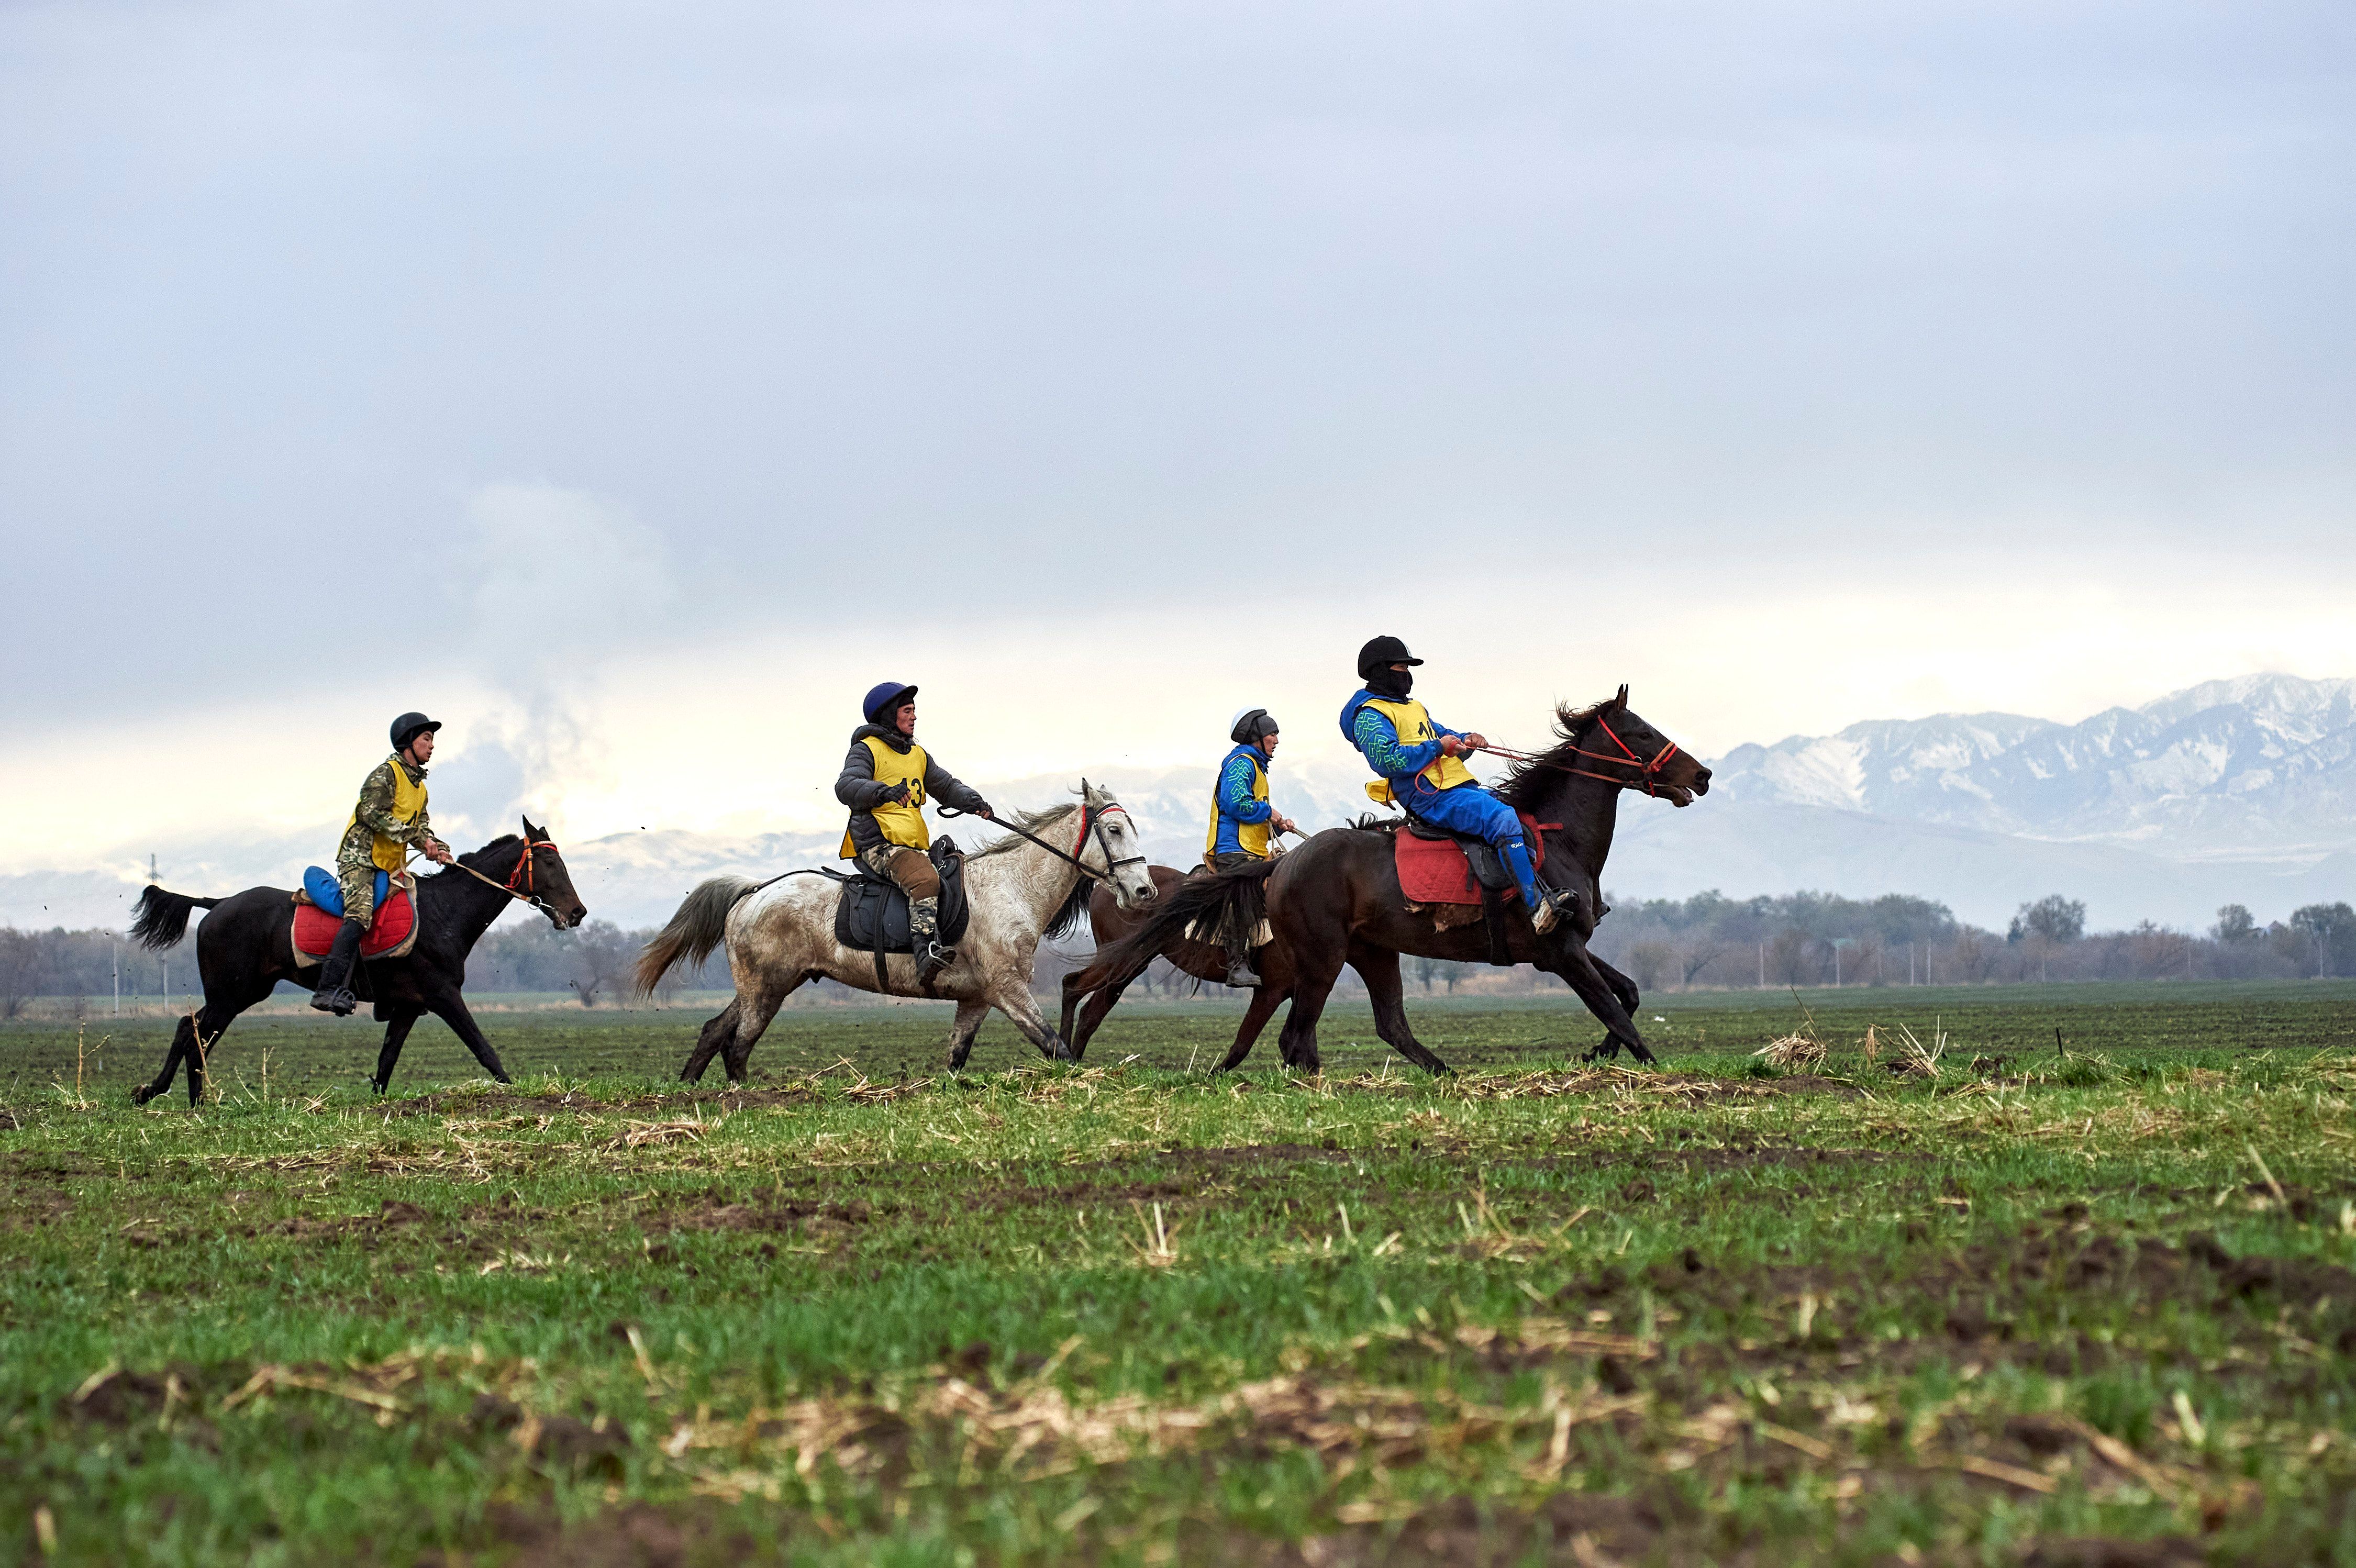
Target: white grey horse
<point x="781" y="933"/>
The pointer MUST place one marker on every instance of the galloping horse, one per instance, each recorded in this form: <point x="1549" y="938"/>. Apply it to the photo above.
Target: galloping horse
<point x="1337" y="899"/>
<point x="781" y="933"/>
<point x="1101" y="984"/>
<point x="247" y="946"/>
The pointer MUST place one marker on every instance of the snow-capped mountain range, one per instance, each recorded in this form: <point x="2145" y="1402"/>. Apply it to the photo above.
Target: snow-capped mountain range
<point x="2240" y="791"/>
<point x="2263" y="767"/>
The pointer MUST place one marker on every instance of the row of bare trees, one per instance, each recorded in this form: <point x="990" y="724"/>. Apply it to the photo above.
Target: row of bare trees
<point x="1815" y="939"/>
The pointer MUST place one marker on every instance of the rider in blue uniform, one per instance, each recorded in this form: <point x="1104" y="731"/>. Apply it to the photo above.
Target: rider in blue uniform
<point x="1243" y="826"/>
<point x="1423" y="772"/>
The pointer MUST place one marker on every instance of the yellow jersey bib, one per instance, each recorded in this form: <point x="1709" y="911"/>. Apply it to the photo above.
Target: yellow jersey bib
<point x="408" y="803"/>
<point x="902" y="822"/>
<point x="1414" y="727"/>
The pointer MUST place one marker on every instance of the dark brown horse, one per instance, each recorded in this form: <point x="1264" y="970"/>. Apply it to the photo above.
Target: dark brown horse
<point x="1337" y="899"/>
<point x="246" y="946"/>
<point x="1102" y="981"/>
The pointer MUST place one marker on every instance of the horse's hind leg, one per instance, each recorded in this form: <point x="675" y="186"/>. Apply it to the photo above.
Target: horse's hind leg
<point x="162" y="1083"/>
<point x="1379" y="968"/>
<point x="201" y="1031"/>
<point x="736" y="1052"/>
<point x="969" y="1014"/>
<point x="717" y="1032"/>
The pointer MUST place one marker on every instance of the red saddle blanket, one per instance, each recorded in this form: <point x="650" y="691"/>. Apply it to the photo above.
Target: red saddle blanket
<point x="1434" y="871"/>
<point x="395" y="923"/>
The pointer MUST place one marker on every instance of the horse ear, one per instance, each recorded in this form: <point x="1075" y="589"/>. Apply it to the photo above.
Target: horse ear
<point x="1621" y="702"/>
<point x="529" y="832"/>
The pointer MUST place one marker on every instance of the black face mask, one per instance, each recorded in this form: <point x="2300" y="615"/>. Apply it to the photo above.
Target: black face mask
<point x="1388" y="682"/>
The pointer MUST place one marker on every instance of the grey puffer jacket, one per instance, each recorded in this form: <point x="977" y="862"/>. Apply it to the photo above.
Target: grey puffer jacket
<point x="856" y="787"/>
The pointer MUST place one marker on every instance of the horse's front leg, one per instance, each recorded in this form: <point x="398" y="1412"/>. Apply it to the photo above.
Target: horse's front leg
<point x="396" y="1035"/>
<point x="970" y="1012"/>
<point x="446" y="1003"/>
<point x="1622" y="986"/>
<point x="1011" y="996"/>
<point x="1571" y="963"/>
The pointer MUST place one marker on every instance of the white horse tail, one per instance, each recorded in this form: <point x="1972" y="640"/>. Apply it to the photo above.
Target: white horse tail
<point x="700" y="924"/>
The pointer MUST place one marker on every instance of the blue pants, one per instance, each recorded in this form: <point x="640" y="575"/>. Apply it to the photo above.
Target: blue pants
<point x="1469" y="809"/>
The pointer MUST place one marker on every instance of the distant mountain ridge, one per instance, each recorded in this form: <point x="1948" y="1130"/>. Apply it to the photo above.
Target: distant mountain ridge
<point x="2259" y="769"/>
<point x="2241" y="790"/>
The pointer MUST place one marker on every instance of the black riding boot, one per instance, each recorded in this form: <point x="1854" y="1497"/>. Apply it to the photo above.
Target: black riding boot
<point x="335" y="993"/>
<point x="1239" y="970"/>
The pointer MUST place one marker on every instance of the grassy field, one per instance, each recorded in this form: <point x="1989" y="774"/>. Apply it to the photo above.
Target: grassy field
<point x="2086" y="1303"/>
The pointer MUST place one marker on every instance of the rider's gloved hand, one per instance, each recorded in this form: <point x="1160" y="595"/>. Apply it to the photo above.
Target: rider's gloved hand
<point x="898" y="794"/>
<point x="982" y="809"/>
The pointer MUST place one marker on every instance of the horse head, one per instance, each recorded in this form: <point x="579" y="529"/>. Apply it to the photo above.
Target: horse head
<point x="540" y="876"/>
<point x="1113" y="839"/>
<point x="1610" y="741"/>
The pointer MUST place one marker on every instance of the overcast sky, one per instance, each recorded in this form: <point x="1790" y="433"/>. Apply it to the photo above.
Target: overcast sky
<point x="633" y="386"/>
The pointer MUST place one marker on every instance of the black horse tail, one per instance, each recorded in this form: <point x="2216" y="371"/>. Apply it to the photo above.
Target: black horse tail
<point x="700" y="924"/>
<point x="161" y="918"/>
<point x="1225" y="900"/>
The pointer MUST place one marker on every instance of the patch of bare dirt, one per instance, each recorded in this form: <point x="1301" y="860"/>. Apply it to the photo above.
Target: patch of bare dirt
<point x="636" y="1536"/>
<point x="1578" y="1527"/>
<point x="2090" y="1552"/>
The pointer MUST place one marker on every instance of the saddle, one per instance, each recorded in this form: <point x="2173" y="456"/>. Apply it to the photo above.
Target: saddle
<point x="391" y="934"/>
<point x="871" y="914"/>
<point x="1436" y="866"/>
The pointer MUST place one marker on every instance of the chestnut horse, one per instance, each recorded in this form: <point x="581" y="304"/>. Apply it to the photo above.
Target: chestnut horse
<point x="1337" y="899"/>
<point x="1101" y="984"/>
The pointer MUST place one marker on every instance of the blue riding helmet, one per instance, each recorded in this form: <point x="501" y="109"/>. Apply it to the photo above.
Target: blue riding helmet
<point x="881" y="700"/>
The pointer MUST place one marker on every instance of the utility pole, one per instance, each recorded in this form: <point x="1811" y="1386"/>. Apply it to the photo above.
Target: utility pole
<point x="1763" y="966"/>
<point x="116" y="949"/>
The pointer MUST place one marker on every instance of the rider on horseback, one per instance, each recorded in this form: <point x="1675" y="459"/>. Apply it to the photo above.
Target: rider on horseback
<point x="388" y="822"/>
<point x="886" y="780"/>
<point x="1243" y="825"/>
<point x="1423" y="772"/>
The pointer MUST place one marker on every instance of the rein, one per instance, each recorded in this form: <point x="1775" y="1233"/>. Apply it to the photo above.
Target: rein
<point x="525" y="873"/>
<point x="1648" y="774"/>
<point x="1091" y="826"/>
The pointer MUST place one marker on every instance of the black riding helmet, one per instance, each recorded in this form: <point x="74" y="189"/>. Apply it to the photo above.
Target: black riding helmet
<point x="407" y="727"/>
<point x="1381" y="653"/>
<point x="1251" y="726"/>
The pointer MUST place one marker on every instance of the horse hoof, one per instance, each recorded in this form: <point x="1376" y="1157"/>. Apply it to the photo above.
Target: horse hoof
<point x="142" y="1095"/>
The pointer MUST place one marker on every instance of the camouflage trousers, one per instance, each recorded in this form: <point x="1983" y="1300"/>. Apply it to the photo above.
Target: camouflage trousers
<point x="912" y="871"/>
<point x="356" y="874"/>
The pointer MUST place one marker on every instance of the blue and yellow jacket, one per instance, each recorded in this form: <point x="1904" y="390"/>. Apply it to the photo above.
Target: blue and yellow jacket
<point x="1239" y="808"/>
<point x="1400" y="741"/>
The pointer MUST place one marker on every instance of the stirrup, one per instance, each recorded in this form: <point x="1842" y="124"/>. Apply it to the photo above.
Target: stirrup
<point x="1241" y="975"/>
<point x="339" y="1001"/>
<point x="936" y="958"/>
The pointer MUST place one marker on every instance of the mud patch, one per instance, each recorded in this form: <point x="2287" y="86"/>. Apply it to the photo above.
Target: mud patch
<point x="636" y="1536"/>
<point x="2164" y="1551"/>
<point x="1570" y="1526"/>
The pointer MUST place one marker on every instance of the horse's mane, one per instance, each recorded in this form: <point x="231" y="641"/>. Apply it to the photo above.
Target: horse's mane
<point x="501" y="842"/>
<point x="1032" y="821"/>
<point x="1367" y="823"/>
<point x="1523" y="782"/>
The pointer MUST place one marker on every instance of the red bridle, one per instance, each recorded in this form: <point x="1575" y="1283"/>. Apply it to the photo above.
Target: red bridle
<point x="524" y="880"/>
<point x="1648" y="774"/>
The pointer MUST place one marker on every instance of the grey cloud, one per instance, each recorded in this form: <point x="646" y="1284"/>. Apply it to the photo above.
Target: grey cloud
<point x="827" y="294"/>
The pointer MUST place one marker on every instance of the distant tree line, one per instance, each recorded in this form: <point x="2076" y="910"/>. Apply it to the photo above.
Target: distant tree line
<point x="1707" y="941"/>
<point x="1821" y="939"/>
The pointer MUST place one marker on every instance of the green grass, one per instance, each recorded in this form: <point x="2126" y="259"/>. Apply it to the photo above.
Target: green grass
<point x="867" y="1313"/>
